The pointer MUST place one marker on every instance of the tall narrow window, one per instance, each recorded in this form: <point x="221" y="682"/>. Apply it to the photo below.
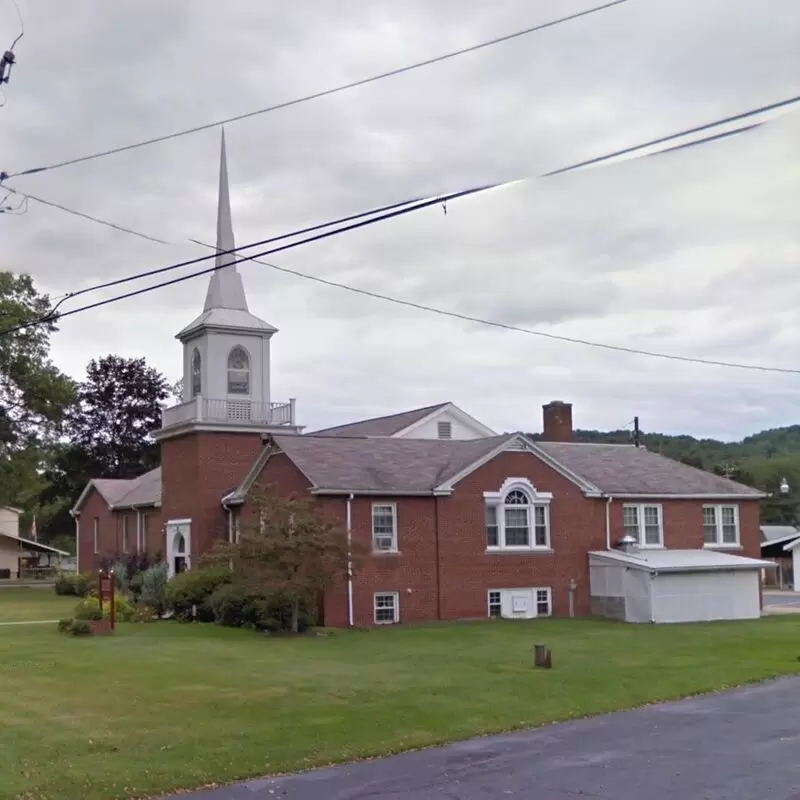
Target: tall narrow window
<point x="517" y="521"/>
<point x="96" y="535"/>
<point x="238" y="371"/>
<point x="197" y="373"/>
<point x="492" y="529"/>
<point x="384" y="527"/>
<point x="124" y="534"/>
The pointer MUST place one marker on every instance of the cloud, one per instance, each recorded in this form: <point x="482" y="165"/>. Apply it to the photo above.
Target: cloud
<point x="692" y="253"/>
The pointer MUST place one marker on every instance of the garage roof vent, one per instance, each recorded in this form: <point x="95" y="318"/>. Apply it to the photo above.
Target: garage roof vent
<point x="627" y="543"/>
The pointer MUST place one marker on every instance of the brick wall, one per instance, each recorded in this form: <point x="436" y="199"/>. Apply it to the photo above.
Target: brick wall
<point x="442" y="569"/>
<point x="95" y="507"/>
<point x="197" y="470"/>
<point x="110" y="532"/>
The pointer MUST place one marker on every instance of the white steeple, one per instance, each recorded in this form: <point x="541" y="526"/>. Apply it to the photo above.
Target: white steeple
<point x="226" y="302"/>
<point x="225" y="289"/>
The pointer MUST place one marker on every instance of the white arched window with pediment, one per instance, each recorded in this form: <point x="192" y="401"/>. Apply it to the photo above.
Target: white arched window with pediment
<point x="197" y="373"/>
<point x="517" y="517"/>
<point x="238" y="371"/>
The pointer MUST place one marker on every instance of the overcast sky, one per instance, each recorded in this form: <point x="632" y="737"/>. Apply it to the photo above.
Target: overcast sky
<point x="694" y="252"/>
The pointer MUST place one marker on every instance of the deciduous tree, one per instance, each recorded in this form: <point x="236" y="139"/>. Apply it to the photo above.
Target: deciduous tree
<point x="117" y="410"/>
<point x="34" y="393"/>
<point x="290" y="548"/>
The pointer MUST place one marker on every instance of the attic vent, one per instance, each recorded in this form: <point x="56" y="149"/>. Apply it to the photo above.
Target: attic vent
<point x="516" y="444"/>
<point x="445" y="430"/>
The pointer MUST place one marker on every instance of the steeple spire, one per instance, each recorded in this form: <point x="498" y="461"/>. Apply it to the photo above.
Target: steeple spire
<point x="225" y="289"/>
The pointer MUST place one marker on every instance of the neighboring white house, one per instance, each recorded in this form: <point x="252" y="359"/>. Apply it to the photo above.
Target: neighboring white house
<point x="19" y="556"/>
<point x="674" y="585"/>
<point x="442" y="421"/>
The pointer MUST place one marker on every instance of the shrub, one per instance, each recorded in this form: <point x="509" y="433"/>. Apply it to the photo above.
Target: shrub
<point x="191" y="590"/>
<point x="232" y="606"/>
<point x="64" y="625"/>
<point x="135" y="586"/>
<point x="274" y="613"/>
<point x="235" y="606"/>
<point x="80" y="627"/>
<point x="89" y="608"/>
<point x="143" y="614"/>
<point x="73" y="584"/>
<point x="154" y="588"/>
<point x="121" y="579"/>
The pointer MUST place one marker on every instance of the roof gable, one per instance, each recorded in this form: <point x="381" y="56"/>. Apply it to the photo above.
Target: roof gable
<point x="124" y="493"/>
<point x="382" y="426"/>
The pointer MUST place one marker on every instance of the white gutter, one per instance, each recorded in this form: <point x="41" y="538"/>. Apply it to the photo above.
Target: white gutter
<point x="349" y="524"/>
<point x="608" y="522"/>
<point x="76" y="516"/>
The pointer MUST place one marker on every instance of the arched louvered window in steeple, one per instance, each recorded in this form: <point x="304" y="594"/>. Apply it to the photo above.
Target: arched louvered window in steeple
<point x="238" y="371"/>
<point x="197" y="373"/>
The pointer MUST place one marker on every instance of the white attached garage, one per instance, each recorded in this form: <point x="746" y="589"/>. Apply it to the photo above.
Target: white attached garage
<point x="674" y="585"/>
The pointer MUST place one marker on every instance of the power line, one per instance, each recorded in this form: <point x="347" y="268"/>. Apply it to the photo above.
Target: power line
<point x="560" y="171"/>
<point x="325" y="92"/>
<point x="408" y="303"/>
<point x="405" y="209"/>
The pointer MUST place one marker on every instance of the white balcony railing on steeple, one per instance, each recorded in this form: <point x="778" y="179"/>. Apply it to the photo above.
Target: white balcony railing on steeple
<point x="230" y="412"/>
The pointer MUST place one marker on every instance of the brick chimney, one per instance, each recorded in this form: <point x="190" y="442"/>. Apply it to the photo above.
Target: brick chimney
<point x="557" y="417"/>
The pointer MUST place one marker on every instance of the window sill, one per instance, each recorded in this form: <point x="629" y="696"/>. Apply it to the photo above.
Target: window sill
<point x="386" y="553"/>
<point x="519" y="551"/>
<point x="722" y="547"/>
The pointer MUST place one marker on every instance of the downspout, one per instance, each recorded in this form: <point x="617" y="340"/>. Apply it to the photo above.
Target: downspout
<point x="229" y="511"/>
<point x="76" y="516"/>
<point x="608" y="522"/>
<point x="438" y="563"/>
<point x="349" y="524"/>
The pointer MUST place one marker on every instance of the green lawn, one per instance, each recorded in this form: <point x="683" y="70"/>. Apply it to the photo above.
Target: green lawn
<point x="26" y="605"/>
<point x="163" y="706"/>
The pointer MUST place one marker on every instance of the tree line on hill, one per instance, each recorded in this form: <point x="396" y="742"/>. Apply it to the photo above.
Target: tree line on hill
<point x="57" y="433"/>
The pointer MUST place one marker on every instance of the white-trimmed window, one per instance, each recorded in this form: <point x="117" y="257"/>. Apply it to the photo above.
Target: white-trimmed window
<point x="197" y="373"/>
<point x="145" y="530"/>
<point x="495" y="603"/>
<point x="96" y="535"/>
<point x="384" y="527"/>
<point x="238" y="371"/>
<point x="721" y="526"/>
<point x="544" y="602"/>
<point x="444" y="430"/>
<point x="517" y="517"/>
<point x="386" y="606"/>
<point x="645" y="522"/>
<point x="124" y="534"/>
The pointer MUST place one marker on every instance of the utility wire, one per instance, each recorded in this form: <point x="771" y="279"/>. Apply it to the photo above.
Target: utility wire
<point x="406" y="209"/>
<point x="578" y="165"/>
<point x="407" y="303"/>
<point x="325" y="92"/>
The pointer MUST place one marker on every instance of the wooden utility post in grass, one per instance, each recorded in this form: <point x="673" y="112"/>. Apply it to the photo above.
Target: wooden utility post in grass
<point x="105" y="593"/>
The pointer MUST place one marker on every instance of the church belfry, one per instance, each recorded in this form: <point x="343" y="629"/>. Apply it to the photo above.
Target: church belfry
<point x="226" y="350"/>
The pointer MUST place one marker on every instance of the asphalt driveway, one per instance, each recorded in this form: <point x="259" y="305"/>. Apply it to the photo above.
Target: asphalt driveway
<point x="739" y="745"/>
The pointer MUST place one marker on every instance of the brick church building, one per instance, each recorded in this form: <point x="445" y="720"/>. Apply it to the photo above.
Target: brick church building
<point x="458" y="521"/>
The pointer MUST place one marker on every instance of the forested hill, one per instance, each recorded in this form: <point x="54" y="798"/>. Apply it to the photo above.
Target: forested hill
<point x="761" y="460"/>
<point x="706" y="452"/>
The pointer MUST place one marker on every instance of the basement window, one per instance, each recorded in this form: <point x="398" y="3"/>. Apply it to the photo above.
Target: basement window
<point x="386" y="608"/>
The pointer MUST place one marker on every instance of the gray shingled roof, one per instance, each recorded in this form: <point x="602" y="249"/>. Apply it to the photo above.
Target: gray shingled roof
<point x="380" y="426"/>
<point x="376" y="465"/>
<point x="111" y="489"/>
<point x="625" y="469"/>
<point x="142" y="491"/>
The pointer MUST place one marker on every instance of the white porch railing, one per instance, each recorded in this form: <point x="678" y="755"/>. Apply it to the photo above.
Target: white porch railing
<point x="239" y="411"/>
